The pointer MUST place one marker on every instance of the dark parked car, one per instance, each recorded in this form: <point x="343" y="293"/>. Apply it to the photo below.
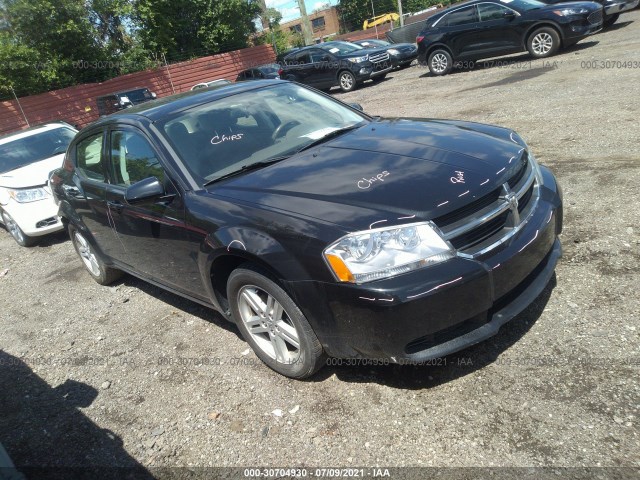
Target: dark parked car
<point x="114" y="102"/>
<point x="261" y="72"/>
<point x="402" y="54"/>
<point x="612" y="8"/>
<point x="319" y="230"/>
<point x="338" y="63"/>
<point x="482" y="29"/>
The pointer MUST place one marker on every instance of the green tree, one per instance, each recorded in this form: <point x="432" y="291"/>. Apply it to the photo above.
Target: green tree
<point x="195" y="27"/>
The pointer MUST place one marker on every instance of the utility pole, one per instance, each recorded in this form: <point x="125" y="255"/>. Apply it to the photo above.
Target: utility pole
<point x="374" y="18"/>
<point x="400" y="13"/>
<point x="307" y="31"/>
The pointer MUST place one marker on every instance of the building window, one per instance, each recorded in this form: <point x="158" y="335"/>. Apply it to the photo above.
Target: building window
<point x="317" y="23"/>
<point x="296" y="28"/>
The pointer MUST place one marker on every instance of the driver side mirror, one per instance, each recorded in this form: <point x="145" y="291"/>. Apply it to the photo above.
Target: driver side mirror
<point x="147" y="189"/>
<point x="356" y="106"/>
<point x="509" y="15"/>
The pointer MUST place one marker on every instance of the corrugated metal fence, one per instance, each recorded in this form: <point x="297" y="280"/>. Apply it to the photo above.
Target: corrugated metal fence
<point x="77" y="105"/>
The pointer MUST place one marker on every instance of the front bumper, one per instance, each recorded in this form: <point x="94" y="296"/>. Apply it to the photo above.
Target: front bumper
<point x="404" y="58"/>
<point x="35" y="218"/>
<point x="616" y="7"/>
<point x="441" y="309"/>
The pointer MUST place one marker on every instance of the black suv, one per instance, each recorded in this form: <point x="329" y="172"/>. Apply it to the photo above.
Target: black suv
<point x="331" y="64"/>
<point x="484" y="29"/>
<point x="108" y="104"/>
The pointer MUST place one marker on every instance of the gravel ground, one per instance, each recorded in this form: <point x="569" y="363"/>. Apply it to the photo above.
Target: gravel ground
<point x="132" y="375"/>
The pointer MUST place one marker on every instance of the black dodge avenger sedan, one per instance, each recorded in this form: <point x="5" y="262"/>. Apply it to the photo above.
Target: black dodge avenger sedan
<point x="481" y="29"/>
<point x="319" y="230"/>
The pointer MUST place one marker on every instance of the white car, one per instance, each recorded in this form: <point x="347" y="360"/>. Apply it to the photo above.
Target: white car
<point x="27" y="208"/>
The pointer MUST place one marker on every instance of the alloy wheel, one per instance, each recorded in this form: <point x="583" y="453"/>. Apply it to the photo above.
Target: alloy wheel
<point x="439" y="63"/>
<point x="13" y="228"/>
<point x="269" y="324"/>
<point x="542" y="43"/>
<point x="346" y="81"/>
<point x="86" y="254"/>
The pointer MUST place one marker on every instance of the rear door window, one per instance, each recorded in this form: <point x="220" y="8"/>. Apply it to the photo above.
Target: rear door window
<point x="89" y="157"/>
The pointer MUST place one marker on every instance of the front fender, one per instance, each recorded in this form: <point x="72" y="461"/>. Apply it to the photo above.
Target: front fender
<point x="250" y="245"/>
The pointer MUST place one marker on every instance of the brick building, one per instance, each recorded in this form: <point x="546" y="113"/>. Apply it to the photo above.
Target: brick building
<point x="324" y="23"/>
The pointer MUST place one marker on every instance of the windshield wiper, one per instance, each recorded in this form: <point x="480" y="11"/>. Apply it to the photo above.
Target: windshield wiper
<point x="246" y="168"/>
<point x="329" y="136"/>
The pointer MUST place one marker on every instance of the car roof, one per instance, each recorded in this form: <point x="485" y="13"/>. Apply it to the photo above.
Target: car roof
<point x="43" y="127"/>
<point x="455" y="6"/>
<point x="160" y="108"/>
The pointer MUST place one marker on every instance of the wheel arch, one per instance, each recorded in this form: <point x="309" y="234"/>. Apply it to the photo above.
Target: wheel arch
<point x="439" y="46"/>
<point x="228" y="249"/>
<point x="543" y="24"/>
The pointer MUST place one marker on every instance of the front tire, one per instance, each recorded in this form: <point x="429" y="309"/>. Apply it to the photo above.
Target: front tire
<point x="91" y="259"/>
<point x="440" y="62"/>
<point x="379" y="78"/>
<point x="272" y="324"/>
<point x="16" y="232"/>
<point x="543" y="42"/>
<point x="347" y="81"/>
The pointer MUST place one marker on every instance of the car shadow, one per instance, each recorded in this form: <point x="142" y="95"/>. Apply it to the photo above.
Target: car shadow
<point x="617" y="26"/>
<point x="48" y="437"/>
<point x="52" y="239"/>
<point x="180" y="303"/>
<point x="452" y="367"/>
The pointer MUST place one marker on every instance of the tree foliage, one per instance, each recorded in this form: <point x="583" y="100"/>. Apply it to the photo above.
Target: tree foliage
<point x="194" y="27"/>
<point x="50" y="44"/>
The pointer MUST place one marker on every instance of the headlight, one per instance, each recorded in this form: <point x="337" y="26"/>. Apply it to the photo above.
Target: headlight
<point x="393" y="51"/>
<point x="358" y="59"/>
<point x="566" y="12"/>
<point x="384" y="252"/>
<point x="28" y="195"/>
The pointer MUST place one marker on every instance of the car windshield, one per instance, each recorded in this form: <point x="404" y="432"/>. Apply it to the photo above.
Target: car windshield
<point x="340" y="47"/>
<point x="524" y="5"/>
<point x="39" y="146"/>
<point x="225" y="135"/>
<point x="137" y="96"/>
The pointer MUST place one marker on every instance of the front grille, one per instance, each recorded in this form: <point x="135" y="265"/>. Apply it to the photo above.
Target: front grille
<point x="379" y="57"/>
<point x="492" y="219"/>
<point x="595" y="18"/>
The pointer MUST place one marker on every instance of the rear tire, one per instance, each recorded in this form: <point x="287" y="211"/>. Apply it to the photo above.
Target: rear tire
<point x="272" y="324"/>
<point x="440" y="62"/>
<point x="543" y="42"/>
<point x="91" y="259"/>
<point x="16" y="232"/>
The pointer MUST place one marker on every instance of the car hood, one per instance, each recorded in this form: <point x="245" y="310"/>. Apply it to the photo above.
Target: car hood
<point x="392" y="170"/>
<point x="31" y="175"/>
<point x="590" y="6"/>
<point x="365" y="51"/>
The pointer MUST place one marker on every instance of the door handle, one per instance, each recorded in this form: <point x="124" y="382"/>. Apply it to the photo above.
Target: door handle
<point x="115" y="204"/>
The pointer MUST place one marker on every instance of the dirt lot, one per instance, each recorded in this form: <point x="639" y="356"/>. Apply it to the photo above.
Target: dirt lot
<point x="131" y="375"/>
